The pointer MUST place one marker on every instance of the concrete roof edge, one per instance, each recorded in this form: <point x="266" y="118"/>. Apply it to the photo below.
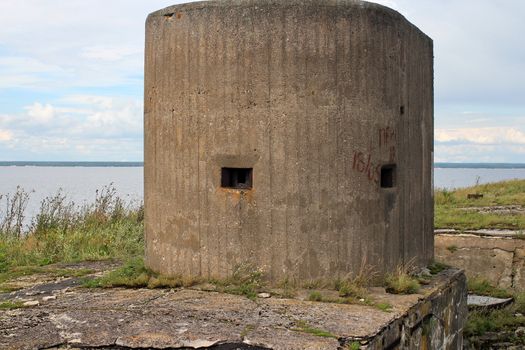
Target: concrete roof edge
<point x="286" y="3"/>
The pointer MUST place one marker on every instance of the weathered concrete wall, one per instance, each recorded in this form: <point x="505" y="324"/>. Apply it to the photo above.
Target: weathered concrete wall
<point x="315" y="96"/>
<point x="435" y="322"/>
<point x="500" y="260"/>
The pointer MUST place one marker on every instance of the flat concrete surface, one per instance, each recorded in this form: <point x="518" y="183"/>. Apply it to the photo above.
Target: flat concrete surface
<point x="189" y="318"/>
<point x="485" y="301"/>
<point x="482" y="232"/>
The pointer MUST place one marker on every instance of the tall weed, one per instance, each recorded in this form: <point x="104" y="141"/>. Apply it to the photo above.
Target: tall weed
<point x="12" y="213"/>
<point x="63" y="232"/>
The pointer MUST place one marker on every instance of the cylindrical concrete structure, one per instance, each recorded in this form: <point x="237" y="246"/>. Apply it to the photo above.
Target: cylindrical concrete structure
<point x="292" y="136"/>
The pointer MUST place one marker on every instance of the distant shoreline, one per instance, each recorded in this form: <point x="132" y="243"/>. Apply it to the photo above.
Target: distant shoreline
<point x="71" y="164"/>
<point x="141" y="164"/>
<point x="480" y="165"/>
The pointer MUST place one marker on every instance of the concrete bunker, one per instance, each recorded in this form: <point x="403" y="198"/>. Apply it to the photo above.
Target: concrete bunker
<point x="294" y="136"/>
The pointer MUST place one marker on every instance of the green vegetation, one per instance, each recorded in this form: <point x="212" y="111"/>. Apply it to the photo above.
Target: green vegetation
<point x="354" y="346"/>
<point x="436" y="267"/>
<point x="134" y="274"/>
<point x="356" y="286"/>
<point x="246" y="280"/>
<point x="452" y="207"/>
<point x="452" y="248"/>
<point x="402" y="282"/>
<point x="482" y="321"/>
<point x="313" y="284"/>
<point x="287" y="289"/>
<point x="386" y="307"/>
<point x="365" y="300"/>
<point x="302" y="326"/>
<point x="10" y="305"/>
<point x="64" y="232"/>
<point x="315" y="296"/>
<point x="481" y="286"/>
<point x="352" y="289"/>
<point x="502" y="323"/>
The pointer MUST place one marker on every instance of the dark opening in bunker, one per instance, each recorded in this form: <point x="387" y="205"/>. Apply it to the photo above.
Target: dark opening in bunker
<point x="388" y="176"/>
<point x="239" y="178"/>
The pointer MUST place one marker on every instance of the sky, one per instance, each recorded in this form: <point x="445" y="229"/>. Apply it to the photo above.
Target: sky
<point x="71" y="78"/>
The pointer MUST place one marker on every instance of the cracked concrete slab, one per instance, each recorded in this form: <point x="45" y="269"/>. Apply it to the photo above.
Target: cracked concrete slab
<point x="80" y="318"/>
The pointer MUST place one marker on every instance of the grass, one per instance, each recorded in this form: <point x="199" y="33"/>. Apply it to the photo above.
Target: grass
<point x="354" y="346"/>
<point x="351" y="290"/>
<point x="366" y="300"/>
<point x="436" y="267"/>
<point x="64" y="232"/>
<point x="481" y="322"/>
<point x="481" y="286"/>
<point x="134" y="274"/>
<point x="356" y="286"/>
<point x="315" y="296"/>
<point x="303" y="326"/>
<point x="401" y="281"/>
<point x="386" y="307"/>
<point x="502" y="323"/>
<point x="10" y="305"/>
<point x="452" y="211"/>
<point x="450" y="206"/>
<point x="246" y="280"/>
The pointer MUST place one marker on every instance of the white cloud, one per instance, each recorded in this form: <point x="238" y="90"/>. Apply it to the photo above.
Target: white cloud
<point x="112" y="53"/>
<point x="5" y="135"/>
<point x="25" y="72"/>
<point x="39" y="113"/>
<point x="49" y="44"/>
<point x="478" y="153"/>
<point x="484" y="136"/>
<point x="52" y="48"/>
<point x="92" y="126"/>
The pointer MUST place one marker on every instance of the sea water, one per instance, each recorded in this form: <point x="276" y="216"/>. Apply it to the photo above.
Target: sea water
<point x="80" y="181"/>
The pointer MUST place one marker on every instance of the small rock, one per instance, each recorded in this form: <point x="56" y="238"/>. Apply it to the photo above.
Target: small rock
<point x="49" y="297"/>
<point x="263" y="295"/>
<point x="199" y="343"/>
<point x="425" y="271"/>
<point x="208" y="287"/>
<point x="519" y="332"/>
<point x="517" y="314"/>
<point x="31" y="303"/>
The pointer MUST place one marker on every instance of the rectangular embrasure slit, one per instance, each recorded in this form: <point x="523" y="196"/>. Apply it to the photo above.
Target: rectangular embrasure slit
<point x="237" y="178"/>
<point x="388" y="176"/>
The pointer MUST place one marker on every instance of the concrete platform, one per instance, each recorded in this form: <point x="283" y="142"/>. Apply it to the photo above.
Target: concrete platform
<point x="82" y="318"/>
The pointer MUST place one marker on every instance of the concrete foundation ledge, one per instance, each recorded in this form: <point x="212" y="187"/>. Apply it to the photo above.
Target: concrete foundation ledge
<point x="79" y="318"/>
<point x="493" y="255"/>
